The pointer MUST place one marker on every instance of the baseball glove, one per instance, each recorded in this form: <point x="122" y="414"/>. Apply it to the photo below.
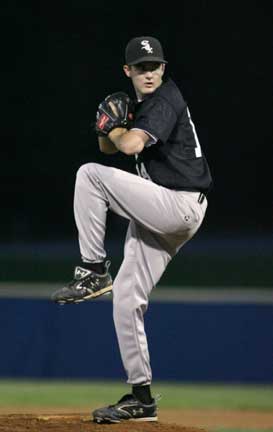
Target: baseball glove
<point x="116" y="110"/>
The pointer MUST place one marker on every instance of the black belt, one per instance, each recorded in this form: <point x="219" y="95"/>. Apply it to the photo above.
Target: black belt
<point x="201" y="197"/>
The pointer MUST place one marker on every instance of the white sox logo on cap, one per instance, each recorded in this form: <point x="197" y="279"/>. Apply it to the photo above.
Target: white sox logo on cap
<point x="143" y="49"/>
<point x="146" y="45"/>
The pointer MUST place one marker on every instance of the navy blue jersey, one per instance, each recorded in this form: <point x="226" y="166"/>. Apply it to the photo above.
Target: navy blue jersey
<point x="176" y="160"/>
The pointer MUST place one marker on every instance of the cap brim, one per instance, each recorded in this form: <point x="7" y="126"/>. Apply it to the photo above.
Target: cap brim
<point x="147" y="59"/>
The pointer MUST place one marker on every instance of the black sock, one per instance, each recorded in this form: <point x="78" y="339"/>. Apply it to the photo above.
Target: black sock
<point x="143" y="393"/>
<point x="96" y="267"/>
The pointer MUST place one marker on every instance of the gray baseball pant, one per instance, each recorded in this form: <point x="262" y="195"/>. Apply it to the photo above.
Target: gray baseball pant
<point x="161" y="222"/>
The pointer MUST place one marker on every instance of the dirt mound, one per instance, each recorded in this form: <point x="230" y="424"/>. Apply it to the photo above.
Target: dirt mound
<point x="72" y="423"/>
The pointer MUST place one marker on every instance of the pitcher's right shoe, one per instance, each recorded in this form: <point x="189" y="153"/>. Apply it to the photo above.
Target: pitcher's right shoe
<point x="86" y="285"/>
<point x="127" y="408"/>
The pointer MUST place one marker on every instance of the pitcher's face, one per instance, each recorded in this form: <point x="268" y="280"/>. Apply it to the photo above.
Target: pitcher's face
<point x="146" y="77"/>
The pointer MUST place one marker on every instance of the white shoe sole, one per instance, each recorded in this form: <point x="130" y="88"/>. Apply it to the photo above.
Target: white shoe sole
<point x="103" y="291"/>
<point x="109" y="420"/>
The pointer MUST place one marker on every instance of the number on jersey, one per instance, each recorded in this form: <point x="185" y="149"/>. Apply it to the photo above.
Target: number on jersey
<point x="141" y="170"/>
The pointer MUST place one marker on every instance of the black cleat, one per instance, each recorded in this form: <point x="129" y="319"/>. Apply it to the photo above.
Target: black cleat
<point x="86" y="285"/>
<point x="127" y="408"/>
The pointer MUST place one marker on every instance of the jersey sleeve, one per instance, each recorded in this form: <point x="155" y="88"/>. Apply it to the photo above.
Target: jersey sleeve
<point x="157" y="117"/>
<point x="152" y="139"/>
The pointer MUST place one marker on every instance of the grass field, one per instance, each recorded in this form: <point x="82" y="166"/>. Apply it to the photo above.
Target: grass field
<point x="66" y="394"/>
<point x="82" y="394"/>
<point x="77" y="393"/>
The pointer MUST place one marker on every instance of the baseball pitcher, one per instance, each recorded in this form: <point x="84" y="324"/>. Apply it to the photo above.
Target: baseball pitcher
<point x="165" y="203"/>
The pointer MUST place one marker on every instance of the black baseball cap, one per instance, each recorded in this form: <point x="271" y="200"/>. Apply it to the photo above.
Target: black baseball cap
<point x="144" y="49"/>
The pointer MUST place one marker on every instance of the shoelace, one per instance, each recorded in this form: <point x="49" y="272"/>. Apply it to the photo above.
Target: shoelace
<point x="157" y="397"/>
<point x="86" y="279"/>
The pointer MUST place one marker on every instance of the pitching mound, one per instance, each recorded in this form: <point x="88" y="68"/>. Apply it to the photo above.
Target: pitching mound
<point x="72" y="423"/>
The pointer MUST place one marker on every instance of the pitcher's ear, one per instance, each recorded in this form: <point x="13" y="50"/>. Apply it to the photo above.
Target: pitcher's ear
<point x="127" y="70"/>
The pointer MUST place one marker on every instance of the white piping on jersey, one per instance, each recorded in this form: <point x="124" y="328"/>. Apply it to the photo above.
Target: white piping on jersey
<point x="151" y="141"/>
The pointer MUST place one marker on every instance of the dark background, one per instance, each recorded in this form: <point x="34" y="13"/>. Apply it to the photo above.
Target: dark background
<point x="60" y="60"/>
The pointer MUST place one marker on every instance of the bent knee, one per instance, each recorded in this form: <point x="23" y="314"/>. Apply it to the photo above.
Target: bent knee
<point x="86" y="169"/>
